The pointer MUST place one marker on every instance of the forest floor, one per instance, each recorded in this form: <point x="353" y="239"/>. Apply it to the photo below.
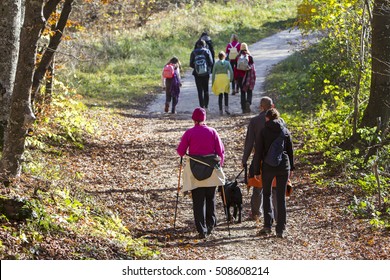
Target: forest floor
<point x="132" y="166"/>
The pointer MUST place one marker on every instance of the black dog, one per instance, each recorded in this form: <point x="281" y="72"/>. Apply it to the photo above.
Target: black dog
<point x="233" y="197"/>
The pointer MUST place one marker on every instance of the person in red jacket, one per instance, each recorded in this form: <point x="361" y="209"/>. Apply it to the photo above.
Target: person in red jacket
<point x="244" y="73"/>
<point x="232" y="50"/>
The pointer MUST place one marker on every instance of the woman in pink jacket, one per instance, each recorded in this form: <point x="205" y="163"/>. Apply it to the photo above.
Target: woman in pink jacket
<point x="197" y="141"/>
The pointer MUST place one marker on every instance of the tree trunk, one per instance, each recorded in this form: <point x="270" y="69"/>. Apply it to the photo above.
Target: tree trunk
<point x="10" y="24"/>
<point x="49" y="8"/>
<point x="48" y="55"/>
<point x="379" y="101"/>
<point x="49" y="83"/>
<point x="21" y="115"/>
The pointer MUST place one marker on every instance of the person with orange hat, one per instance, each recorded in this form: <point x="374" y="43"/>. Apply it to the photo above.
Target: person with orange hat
<point x="203" y="171"/>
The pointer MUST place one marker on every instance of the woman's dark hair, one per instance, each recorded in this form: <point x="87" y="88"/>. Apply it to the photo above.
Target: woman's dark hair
<point x="272" y="114"/>
<point x="174" y="60"/>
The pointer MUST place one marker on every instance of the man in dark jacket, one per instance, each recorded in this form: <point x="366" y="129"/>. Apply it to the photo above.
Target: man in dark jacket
<point x="256" y="124"/>
<point x="209" y="44"/>
<point x="202" y="62"/>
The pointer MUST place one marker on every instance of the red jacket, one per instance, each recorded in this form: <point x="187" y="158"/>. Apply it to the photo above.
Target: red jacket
<point x="241" y="73"/>
<point x="229" y="46"/>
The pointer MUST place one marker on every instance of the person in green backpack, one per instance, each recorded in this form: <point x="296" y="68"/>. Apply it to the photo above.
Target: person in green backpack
<point x="222" y="76"/>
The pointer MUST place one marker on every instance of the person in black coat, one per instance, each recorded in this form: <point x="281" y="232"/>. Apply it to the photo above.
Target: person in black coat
<point x="209" y="44"/>
<point x="253" y="135"/>
<point x="202" y="79"/>
<point x="274" y="128"/>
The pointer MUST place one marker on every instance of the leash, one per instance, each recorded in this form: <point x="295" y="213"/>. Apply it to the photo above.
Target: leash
<point x="197" y="160"/>
<point x="240" y="173"/>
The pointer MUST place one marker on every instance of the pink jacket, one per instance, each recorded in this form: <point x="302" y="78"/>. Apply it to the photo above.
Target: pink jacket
<point x="201" y="140"/>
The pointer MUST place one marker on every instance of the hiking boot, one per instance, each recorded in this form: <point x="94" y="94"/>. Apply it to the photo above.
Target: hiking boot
<point x="247" y="107"/>
<point x="166" y="109"/>
<point x="264" y="231"/>
<point x="202" y="236"/>
<point x="221" y="112"/>
<point x="279" y="235"/>
<point x="227" y="110"/>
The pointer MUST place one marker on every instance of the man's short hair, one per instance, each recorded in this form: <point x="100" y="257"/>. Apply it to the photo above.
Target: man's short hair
<point x="201" y="44"/>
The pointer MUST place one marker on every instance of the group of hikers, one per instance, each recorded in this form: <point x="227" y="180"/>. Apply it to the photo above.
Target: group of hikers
<point x="270" y="169"/>
<point x="235" y="67"/>
<point x="267" y="138"/>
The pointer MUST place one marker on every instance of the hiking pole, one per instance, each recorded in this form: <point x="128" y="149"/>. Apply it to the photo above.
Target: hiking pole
<point x="225" y="207"/>
<point x="177" y="193"/>
<point x="246" y="174"/>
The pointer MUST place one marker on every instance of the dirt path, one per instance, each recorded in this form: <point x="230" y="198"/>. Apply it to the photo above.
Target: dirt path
<point x="266" y="53"/>
<point x="137" y="169"/>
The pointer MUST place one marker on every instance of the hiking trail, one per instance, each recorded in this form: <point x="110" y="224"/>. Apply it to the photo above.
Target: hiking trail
<point x="266" y="53"/>
<point x="134" y="171"/>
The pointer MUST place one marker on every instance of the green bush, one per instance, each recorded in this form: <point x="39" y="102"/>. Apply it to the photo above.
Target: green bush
<point x="315" y="88"/>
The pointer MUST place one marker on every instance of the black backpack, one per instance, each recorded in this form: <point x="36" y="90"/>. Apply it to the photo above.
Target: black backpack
<point x="202" y="167"/>
<point x="274" y="155"/>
